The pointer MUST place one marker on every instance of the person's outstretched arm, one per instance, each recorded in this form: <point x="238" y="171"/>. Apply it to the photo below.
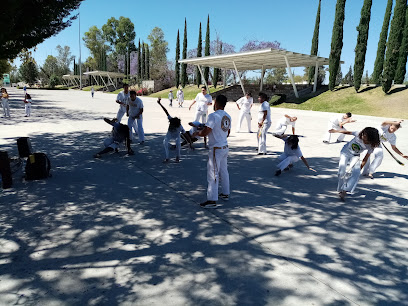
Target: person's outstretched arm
<point x="192" y="104"/>
<point x="304" y="160"/>
<point x="165" y="110"/>
<point x="398" y="151"/>
<point x="339" y="131"/>
<point x="108" y="121"/>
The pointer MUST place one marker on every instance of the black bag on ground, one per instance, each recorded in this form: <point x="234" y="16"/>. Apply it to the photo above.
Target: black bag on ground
<point x="24" y="147"/>
<point x="38" y="167"/>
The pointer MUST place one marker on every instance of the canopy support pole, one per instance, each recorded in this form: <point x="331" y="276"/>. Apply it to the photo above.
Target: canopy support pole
<point x="262" y="77"/>
<point x="224" y="83"/>
<point x="111" y="81"/>
<point x="240" y="81"/>
<point x="96" y="80"/>
<point x="315" y="76"/>
<point x="291" y="77"/>
<point x="107" y="89"/>
<point x="202" y="77"/>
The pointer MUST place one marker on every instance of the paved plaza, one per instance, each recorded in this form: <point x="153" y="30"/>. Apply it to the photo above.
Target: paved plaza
<point x="128" y="230"/>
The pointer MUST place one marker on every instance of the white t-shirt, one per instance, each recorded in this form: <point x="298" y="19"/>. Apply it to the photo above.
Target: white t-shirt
<point x="289" y="151"/>
<point x="337" y="120"/>
<point x="29" y="101"/>
<point x="180" y="95"/>
<point x="173" y="134"/>
<point x="135" y="106"/>
<point x="264" y="107"/>
<point x="387" y="136"/>
<point x="220" y="123"/>
<point x="356" y="146"/>
<point x="171" y="97"/>
<point x="245" y="104"/>
<point x="286" y="121"/>
<point x="203" y="102"/>
<point x="124" y="98"/>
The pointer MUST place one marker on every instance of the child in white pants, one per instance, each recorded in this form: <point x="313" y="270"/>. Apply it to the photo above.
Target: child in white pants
<point x="367" y="139"/>
<point x="291" y="154"/>
<point x="27" y="105"/>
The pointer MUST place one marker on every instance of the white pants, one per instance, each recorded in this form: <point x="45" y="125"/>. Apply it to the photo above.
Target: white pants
<point x="121" y="112"/>
<point x="28" y="109"/>
<point x="200" y="116"/>
<point x="137" y="125"/>
<point x="330" y="126"/>
<point x="6" y="107"/>
<point x="286" y="160"/>
<point x="217" y="170"/>
<point x="166" y="144"/>
<point x="348" y="183"/>
<point x="109" y="142"/>
<point x="371" y="166"/>
<point x="262" y="139"/>
<point x="181" y="101"/>
<point x="280" y="129"/>
<point x="243" y="115"/>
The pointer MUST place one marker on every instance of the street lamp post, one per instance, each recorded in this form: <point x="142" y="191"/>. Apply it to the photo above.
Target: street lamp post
<point x="79" y="40"/>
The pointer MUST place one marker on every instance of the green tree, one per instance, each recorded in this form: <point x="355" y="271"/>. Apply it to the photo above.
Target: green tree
<point x="379" y="60"/>
<point x="361" y="47"/>
<point x="315" y="42"/>
<point x="184" y="79"/>
<point x="95" y="42"/>
<point x="394" y="44"/>
<point x="207" y="49"/>
<point x="349" y="78"/>
<point x="199" y="54"/>
<point x="139" y="62"/>
<point x="5" y="66"/>
<point x="64" y="59"/>
<point x="177" y="67"/>
<point x="28" y="23"/>
<point x="49" y="68"/>
<point x="147" y="62"/>
<point x="216" y="75"/>
<point x="276" y="76"/>
<point x="143" y="61"/>
<point x="54" y="81"/>
<point x="402" y="59"/>
<point x="158" y="53"/>
<point x="29" y="72"/>
<point x="336" y="43"/>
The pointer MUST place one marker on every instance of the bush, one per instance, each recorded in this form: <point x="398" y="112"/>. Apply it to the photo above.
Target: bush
<point x="277" y="99"/>
<point x="142" y="92"/>
<point x="54" y="81"/>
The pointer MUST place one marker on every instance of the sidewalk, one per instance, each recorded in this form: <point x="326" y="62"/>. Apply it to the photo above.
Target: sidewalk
<point x="129" y="231"/>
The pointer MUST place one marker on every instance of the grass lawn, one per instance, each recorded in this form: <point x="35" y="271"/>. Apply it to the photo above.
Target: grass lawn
<point x="88" y="88"/>
<point x="369" y="101"/>
<point x="190" y="92"/>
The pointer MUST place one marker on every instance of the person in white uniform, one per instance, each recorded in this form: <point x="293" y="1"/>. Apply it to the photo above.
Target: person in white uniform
<point x="368" y="139"/>
<point x="264" y="122"/>
<point x="203" y="100"/>
<point x="244" y="105"/>
<point x="180" y="96"/>
<point x="291" y="154"/>
<point x="387" y="133"/>
<point x="122" y="99"/>
<point x="217" y="128"/>
<point x="134" y="111"/>
<point x="27" y="105"/>
<point x="337" y="123"/>
<point x="5" y="102"/>
<point x="283" y="125"/>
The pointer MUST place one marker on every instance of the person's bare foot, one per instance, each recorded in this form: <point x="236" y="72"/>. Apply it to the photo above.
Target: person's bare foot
<point x="370" y="175"/>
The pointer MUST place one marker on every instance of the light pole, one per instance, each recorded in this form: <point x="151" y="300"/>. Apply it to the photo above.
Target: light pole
<point x="79" y="41"/>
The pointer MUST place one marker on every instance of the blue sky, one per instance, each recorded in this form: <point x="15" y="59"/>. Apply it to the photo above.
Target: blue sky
<point x="289" y="22"/>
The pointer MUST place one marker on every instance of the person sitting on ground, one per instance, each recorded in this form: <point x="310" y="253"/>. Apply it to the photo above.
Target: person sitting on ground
<point x="291" y="154"/>
<point x="174" y="131"/>
<point x="120" y="134"/>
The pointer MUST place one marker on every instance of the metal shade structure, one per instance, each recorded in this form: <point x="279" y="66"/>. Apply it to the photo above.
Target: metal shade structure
<point x="72" y="79"/>
<point x="109" y="75"/>
<point x="260" y="60"/>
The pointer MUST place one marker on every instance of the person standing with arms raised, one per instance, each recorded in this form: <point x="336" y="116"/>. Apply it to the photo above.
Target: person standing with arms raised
<point x="217" y="129"/>
<point x="122" y="99"/>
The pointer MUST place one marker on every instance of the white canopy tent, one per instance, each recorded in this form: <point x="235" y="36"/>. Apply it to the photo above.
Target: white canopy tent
<point x="260" y="60"/>
<point x="109" y="75"/>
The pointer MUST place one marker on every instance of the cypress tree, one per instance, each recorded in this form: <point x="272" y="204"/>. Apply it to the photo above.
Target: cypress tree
<point x="207" y="49"/>
<point x="139" y="62"/>
<point x="74" y="67"/>
<point x="394" y="44"/>
<point x="216" y="75"/>
<point x="361" y="47"/>
<point x="315" y="42"/>
<point x="379" y="60"/>
<point x="184" y="66"/>
<point x="147" y="62"/>
<point x="199" y="54"/>
<point x="143" y="61"/>
<point x="177" y="68"/>
<point x="336" y="43"/>
<point x="402" y="59"/>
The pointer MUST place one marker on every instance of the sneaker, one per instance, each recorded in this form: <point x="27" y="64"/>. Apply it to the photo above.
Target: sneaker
<point x="209" y="204"/>
<point x="261" y="153"/>
<point x="225" y="197"/>
<point x="278" y="172"/>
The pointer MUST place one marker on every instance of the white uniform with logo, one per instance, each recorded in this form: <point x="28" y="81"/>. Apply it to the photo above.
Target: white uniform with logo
<point x="289" y="156"/>
<point x="202" y="102"/>
<point x="245" y="105"/>
<point x="350" y="154"/>
<point x="133" y="122"/>
<point x="334" y="123"/>
<point x="371" y="166"/>
<point x="173" y="135"/>
<point x="220" y="123"/>
<point x="283" y="125"/>
<point x="266" y="125"/>
<point x="123" y="98"/>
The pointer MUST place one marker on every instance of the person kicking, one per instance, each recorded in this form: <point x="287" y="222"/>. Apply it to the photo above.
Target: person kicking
<point x="337" y="123"/>
<point x="283" y="125"/>
<point x="217" y="128"/>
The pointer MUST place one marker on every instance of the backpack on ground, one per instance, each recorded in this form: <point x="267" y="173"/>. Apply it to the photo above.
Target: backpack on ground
<point x="38" y="167"/>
